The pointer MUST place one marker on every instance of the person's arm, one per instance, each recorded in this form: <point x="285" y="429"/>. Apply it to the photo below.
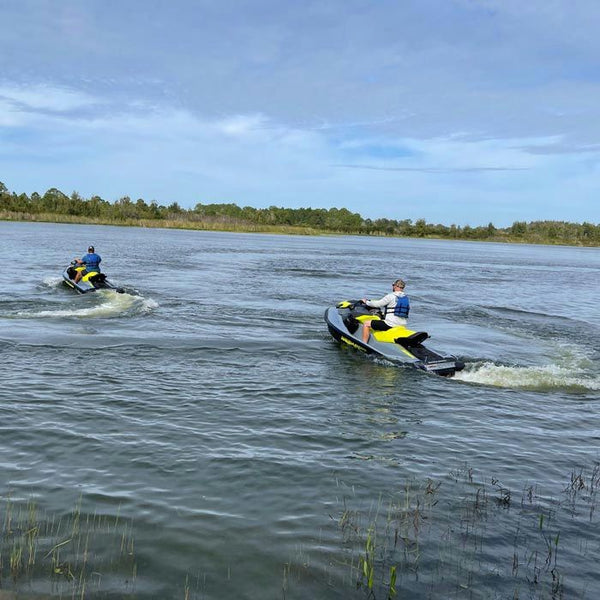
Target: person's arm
<point x="379" y="303"/>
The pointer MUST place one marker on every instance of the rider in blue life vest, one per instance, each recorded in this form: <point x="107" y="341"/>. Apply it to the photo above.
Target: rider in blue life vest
<point x="91" y="261"/>
<point x="395" y="307"/>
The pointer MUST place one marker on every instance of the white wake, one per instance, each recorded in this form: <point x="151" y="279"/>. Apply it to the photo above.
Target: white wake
<point x="112" y="304"/>
<point x="534" y="378"/>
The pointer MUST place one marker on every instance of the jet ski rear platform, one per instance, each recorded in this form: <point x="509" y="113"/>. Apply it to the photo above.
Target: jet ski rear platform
<point x="399" y="345"/>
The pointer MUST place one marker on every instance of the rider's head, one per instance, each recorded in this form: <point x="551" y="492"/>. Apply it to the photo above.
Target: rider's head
<point x="399" y="283"/>
<point x="91" y="249"/>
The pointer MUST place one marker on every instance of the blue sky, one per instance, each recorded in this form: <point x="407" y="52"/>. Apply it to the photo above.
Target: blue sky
<point x="455" y="111"/>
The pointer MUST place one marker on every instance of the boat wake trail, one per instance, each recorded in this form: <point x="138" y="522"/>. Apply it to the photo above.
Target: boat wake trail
<point x="549" y="377"/>
<point x="106" y="305"/>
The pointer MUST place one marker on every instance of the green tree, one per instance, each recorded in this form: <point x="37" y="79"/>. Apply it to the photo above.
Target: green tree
<point x="519" y="228"/>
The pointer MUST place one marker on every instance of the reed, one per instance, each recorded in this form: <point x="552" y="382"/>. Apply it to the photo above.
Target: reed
<point x="66" y="555"/>
<point x="459" y="536"/>
<point x="433" y="540"/>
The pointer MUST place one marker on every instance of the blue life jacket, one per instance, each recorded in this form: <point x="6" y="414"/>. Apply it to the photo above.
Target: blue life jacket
<point x="91" y="261"/>
<point x="402" y="307"/>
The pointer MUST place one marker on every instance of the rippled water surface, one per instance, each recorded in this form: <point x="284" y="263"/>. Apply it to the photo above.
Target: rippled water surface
<point x="209" y="412"/>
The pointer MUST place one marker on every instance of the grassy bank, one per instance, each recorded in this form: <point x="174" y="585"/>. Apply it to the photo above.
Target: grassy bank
<point x="240" y="226"/>
<point x="204" y="225"/>
<point x="56" y="207"/>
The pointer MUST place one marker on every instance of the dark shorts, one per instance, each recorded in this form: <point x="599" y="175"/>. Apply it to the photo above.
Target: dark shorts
<point x="379" y="325"/>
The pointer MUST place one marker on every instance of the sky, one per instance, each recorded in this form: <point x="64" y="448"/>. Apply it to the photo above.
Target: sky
<point x="454" y="111"/>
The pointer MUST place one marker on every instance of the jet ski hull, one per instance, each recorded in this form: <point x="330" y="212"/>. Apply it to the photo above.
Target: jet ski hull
<point x="90" y="282"/>
<point x="398" y="345"/>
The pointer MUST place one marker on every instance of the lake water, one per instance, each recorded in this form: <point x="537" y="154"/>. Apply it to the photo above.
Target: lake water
<point x="211" y="439"/>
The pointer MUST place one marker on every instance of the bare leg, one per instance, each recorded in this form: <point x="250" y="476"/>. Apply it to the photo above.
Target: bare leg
<point x="78" y="276"/>
<point x="366" y="332"/>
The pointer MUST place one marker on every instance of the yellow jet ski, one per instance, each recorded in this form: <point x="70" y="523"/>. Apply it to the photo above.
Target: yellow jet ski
<point x="399" y="345"/>
<point x="90" y="282"/>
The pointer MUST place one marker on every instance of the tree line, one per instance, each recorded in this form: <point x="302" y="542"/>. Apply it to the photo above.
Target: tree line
<point x="54" y="205"/>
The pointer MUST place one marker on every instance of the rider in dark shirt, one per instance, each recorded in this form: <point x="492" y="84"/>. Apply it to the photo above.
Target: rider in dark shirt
<point x="91" y="261"/>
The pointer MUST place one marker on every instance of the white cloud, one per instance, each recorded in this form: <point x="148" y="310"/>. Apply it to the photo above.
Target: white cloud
<point x="452" y="111"/>
<point x="44" y="97"/>
<point x="241" y="125"/>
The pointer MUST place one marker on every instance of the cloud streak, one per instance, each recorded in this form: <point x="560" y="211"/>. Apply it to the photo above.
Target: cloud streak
<point x="44" y="98"/>
<point x="433" y="169"/>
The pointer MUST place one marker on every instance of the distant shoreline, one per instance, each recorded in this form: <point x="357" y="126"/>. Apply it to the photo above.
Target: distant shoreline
<point x="56" y="207"/>
<point x="233" y="226"/>
<point x="164" y="224"/>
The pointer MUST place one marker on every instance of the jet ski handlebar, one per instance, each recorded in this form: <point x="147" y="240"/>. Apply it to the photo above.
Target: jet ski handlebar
<point x="359" y="307"/>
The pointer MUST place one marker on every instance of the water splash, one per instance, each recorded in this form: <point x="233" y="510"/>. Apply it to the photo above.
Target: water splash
<point x="112" y="305"/>
<point x="549" y="377"/>
<point x="52" y="282"/>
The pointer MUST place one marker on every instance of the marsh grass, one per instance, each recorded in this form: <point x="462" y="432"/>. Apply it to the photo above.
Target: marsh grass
<point x="64" y="555"/>
<point x="207" y="224"/>
<point x="467" y="537"/>
<point x="462" y="537"/>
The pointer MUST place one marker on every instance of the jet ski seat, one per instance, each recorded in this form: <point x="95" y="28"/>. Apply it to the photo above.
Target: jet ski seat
<point x="412" y="340"/>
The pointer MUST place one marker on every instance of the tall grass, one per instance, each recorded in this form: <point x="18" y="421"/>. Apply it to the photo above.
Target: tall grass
<point x="463" y="537"/>
<point x="476" y="539"/>
<point x="460" y="536"/>
<point x="64" y="555"/>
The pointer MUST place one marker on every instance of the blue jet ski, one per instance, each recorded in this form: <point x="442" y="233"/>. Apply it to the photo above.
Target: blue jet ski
<point x="90" y="282"/>
<point x="399" y="345"/>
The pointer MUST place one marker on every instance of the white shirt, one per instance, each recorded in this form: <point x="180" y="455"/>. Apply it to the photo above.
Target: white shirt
<point x="389" y="301"/>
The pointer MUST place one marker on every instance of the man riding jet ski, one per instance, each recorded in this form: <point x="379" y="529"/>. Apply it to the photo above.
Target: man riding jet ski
<point x="89" y="282"/>
<point x="83" y="274"/>
<point x="395" y="308"/>
<point x="379" y="327"/>
<point x="91" y="261"/>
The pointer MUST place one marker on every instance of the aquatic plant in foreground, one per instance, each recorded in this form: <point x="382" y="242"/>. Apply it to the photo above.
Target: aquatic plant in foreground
<point x="64" y="555"/>
<point x="480" y="539"/>
<point x="460" y="537"/>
